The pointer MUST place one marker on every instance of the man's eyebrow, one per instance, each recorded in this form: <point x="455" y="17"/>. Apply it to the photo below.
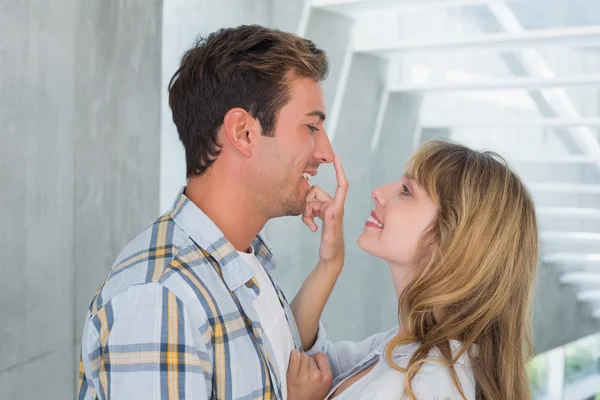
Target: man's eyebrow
<point x="317" y="113"/>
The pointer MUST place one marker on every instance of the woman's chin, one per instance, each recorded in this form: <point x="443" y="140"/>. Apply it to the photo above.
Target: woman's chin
<point x="365" y="244"/>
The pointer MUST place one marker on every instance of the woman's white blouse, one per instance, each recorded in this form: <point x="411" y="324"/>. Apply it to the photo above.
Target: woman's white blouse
<point x="432" y="382"/>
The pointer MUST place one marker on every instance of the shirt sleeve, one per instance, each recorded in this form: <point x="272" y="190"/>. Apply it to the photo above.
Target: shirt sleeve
<point x="345" y="355"/>
<point x="142" y="345"/>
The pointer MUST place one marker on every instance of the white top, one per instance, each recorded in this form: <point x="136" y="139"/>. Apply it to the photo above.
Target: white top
<point x="433" y="381"/>
<point x="272" y="318"/>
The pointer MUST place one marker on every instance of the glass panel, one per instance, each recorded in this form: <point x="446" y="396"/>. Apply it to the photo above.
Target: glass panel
<point x="581" y="359"/>
<point x="538" y="376"/>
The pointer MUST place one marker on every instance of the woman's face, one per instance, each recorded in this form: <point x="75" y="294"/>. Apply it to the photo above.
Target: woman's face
<point x="403" y="210"/>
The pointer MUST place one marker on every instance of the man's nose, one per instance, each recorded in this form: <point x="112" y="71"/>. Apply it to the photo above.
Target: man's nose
<point x="323" y="149"/>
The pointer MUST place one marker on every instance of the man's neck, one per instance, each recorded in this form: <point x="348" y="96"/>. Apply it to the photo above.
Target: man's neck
<point x="226" y="204"/>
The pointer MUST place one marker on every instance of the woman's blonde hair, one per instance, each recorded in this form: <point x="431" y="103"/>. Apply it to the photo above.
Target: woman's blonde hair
<point x="476" y="270"/>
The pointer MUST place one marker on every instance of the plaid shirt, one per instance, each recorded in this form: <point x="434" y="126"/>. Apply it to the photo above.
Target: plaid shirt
<point x="174" y="318"/>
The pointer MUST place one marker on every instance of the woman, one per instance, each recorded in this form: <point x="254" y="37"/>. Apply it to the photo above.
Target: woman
<point x="459" y="233"/>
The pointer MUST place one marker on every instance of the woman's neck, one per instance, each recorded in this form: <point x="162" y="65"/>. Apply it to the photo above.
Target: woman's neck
<point x="401" y="276"/>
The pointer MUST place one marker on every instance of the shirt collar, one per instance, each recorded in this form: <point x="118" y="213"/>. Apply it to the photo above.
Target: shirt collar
<point x="209" y="237"/>
<point x="262" y="251"/>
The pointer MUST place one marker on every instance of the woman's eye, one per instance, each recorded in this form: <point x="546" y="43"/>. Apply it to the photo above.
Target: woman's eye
<point x="405" y="190"/>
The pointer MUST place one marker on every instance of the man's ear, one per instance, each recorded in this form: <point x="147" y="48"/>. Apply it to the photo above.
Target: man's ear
<point x="241" y="130"/>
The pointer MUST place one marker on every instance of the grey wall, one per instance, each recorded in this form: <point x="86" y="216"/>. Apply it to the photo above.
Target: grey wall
<point x="117" y="135"/>
<point x="79" y="117"/>
<point x="558" y="317"/>
<point x="37" y="180"/>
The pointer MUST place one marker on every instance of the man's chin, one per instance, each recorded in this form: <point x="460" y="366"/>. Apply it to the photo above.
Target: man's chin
<point x="295" y="211"/>
<point x="294" y="208"/>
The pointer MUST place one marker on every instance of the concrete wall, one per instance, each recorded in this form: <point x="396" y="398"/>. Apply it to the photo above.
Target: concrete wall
<point x="558" y="317"/>
<point x="79" y="110"/>
<point x="37" y="180"/>
<point x="117" y="135"/>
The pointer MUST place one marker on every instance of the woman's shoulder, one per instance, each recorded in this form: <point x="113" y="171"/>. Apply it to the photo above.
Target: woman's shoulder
<point x="432" y="381"/>
<point x="434" y="378"/>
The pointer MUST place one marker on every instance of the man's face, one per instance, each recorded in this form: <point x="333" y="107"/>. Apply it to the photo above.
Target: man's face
<point x="298" y="147"/>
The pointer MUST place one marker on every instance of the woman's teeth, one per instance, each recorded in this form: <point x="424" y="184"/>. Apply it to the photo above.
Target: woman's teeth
<point x="374" y="221"/>
<point x="306" y="176"/>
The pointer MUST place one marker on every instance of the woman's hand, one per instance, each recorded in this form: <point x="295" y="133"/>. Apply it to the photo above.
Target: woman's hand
<point x="310" y="300"/>
<point x="331" y="212"/>
<point x="308" y="378"/>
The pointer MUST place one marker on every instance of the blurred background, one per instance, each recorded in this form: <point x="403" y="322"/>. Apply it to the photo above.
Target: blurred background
<point x="89" y="155"/>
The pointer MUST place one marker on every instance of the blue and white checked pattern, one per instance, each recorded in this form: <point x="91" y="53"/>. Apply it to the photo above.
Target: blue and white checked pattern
<point x="174" y="318"/>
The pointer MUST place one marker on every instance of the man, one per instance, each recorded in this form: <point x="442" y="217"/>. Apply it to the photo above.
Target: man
<point x="189" y="309"/>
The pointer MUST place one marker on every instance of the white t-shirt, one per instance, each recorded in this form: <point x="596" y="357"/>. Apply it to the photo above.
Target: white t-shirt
<point x="272" y="318"/>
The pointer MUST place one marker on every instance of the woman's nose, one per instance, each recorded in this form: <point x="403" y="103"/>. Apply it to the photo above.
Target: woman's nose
<point x="378" y="196"/>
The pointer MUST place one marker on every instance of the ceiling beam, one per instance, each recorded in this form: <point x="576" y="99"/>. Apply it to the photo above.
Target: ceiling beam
<point x="589" y="295"/>
<point x="564" y="236"/>
<point x="528" y="83"/>
<point x="565" y="159"/>
<point x="564" y="187"/>
<point x="563" y="37"/>
<point x="571" y="212"/>
<point x="575" y="278"/>
<point x="559" y="100"/>
<point x="508" y="123"/>
<point x="571" y="258"/>
<point x="357" y="7"/>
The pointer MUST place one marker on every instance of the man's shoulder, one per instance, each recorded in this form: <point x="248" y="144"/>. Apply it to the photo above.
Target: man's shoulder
<point x="145" y="259"/>
<point x="155" y="246"/>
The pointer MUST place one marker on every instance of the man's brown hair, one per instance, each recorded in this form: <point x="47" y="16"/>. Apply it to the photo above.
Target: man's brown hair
<point x="248" y="67"/>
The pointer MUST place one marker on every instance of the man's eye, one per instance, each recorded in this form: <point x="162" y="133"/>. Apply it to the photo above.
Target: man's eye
<point x="313" y="128"/>
<point x="405" y="190"/>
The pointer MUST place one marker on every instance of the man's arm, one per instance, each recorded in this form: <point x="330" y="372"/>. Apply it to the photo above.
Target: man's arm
<point x="143" y="345"/>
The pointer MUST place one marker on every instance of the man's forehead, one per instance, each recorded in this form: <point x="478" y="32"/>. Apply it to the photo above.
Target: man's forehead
<point x="309" y="92"/>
